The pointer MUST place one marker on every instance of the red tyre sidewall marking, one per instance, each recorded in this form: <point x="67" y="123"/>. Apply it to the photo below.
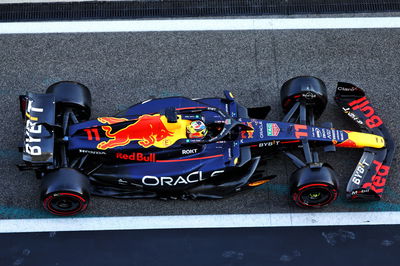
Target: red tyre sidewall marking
<point x="297" y="195"/>
<point x="47" y="206"/>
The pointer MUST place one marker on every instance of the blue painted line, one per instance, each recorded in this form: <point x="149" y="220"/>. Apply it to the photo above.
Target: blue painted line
<point x="19" y="213"/>
<point x="7" y="212"/>
<point x="9" y="154"/>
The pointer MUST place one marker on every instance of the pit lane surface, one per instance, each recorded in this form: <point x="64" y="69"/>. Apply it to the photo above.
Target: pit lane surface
<point x="328" y="246"/>
<point x="125" y="68"/>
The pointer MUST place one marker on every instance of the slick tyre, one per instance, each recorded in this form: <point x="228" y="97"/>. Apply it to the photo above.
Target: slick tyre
<point x="72" y="95"/>
<point x="313" y="187"/>
<point x="65" y="192"/>
<point x="307" y="90"/>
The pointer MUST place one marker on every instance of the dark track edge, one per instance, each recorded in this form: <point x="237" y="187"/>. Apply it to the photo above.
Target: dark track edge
<point x="179" y="8"/>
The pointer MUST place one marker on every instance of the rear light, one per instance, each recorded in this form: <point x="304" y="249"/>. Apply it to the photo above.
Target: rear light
<point x="23" y="104"/>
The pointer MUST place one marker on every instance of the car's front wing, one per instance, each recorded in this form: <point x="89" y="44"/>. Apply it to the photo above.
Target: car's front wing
<point x="369" y="178"/>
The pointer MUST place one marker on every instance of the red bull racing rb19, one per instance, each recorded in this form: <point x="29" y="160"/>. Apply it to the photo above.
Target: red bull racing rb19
<point x="181" y="148"/>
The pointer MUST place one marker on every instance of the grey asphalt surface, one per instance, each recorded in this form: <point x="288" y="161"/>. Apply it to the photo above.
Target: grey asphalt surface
<point x="124" y="68"/>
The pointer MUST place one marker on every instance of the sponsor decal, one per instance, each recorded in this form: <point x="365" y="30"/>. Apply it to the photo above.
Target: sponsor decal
<point x="301" y="131"/>
<point x="323" y="133"/>
<point x="260" y="128"/>
<point x="189" y="151"/>
<point x="334" y="134"/>
<point x="329" y="134"/>
<point x="269" y="143"/>
<point x="272" y="129"/>
<point x="359" y="172"/>
<point x="136" y="156"/>
<point x="32" y="127"/>
<point x="309" y="95"/>
<point x="92" y="131"/>
<point x="30" y="109"/>
<point x="317" y="132"/>
<point x="92" y="152"/>
<point x="339" y="135"/>
<point x="378" y="181"/>
<point x="191" y="178"/>
<point x="148" y="130"/>
<point x="347" y="89"/>
<point x="362" y="191"/>
<point x="352" y="116"/>
<point x="368" y="111"/>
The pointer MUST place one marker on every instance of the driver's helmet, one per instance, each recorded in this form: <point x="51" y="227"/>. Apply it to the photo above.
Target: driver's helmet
<point x="196" y="129"/>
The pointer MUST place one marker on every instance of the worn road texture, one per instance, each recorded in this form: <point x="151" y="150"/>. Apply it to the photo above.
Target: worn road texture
<point x="124" y="68"/>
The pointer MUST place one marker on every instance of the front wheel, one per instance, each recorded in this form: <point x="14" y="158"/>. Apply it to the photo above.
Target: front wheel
<point x="65" y="192"/>
<point x="314" y="187"/>
<point x="310" y="91"/>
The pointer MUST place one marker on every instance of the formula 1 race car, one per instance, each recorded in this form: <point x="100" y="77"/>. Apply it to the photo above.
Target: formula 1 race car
<point x="196" y="148"/>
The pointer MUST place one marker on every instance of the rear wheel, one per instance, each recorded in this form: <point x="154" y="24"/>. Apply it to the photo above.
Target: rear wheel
<point x="307" y="90"/>
<point x="71" y="95"/>
<point x="64" y="203"/>
<point x="313" y="187"/>
<point x="65" y="192"/>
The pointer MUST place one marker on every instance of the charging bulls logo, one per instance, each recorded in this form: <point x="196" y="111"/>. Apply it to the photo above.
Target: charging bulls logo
<point x="148" y="130"/>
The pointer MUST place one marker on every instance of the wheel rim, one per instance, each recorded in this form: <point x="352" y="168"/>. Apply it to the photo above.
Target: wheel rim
<point x="65" y="203"/>
<point x="315" y="195"/>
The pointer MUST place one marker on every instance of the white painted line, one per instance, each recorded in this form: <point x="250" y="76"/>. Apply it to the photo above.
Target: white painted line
<point x="198" y="25"/>
<point x="199" y="221"/>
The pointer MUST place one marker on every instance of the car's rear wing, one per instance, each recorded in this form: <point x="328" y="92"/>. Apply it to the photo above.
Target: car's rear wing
<point x="38" y="111"/>
<point x="369" y="178"/>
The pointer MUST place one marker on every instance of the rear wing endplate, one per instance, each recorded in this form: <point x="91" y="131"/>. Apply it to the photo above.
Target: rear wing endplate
<point x="369" y="178"/>
<point x="38" y="111"/>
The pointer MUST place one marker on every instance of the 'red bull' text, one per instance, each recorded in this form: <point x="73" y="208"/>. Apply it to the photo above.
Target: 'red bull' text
<point x="368" y="111"/>
<point x="136" y="156"/>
